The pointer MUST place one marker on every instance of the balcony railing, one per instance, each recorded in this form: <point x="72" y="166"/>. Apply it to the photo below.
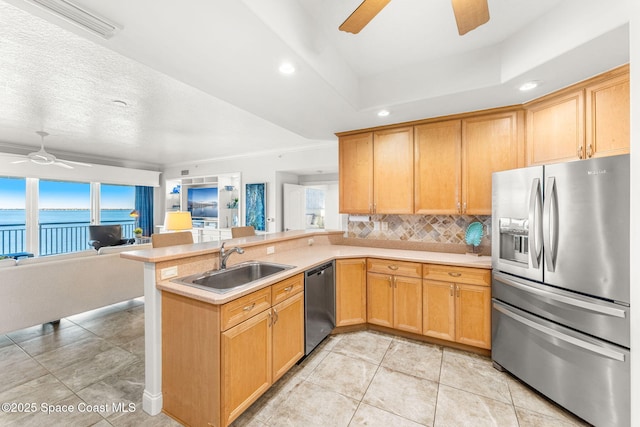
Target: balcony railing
<point x="54" y="238"/>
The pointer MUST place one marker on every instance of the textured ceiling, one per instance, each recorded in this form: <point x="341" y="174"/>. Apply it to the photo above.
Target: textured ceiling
<point x="201" y="82"/>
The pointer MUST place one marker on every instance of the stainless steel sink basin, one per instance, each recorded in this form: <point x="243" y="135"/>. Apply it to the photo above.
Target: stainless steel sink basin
<point x="231" y="278"/>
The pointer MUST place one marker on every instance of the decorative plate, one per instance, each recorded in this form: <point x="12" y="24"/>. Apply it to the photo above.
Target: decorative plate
<point x="474" y="233"/>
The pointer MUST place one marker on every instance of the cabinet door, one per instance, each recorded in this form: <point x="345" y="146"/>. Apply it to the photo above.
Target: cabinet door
<point x="246" y="364"/>
<point x="473" y="315"/>
<point x="380" y="299"/>
<point x="407" y="304"/>
<point x="555" y="129"/>
<point x="489" y="144"/>
<point x="356" y="173"/>
<point x="393" y="171"/>
<point x="439" y="310"/>
<point x="607" y="118"/>
<point x="288" y="334"/>
<point x="437" y="179"/>
<point x="351" y="292"/>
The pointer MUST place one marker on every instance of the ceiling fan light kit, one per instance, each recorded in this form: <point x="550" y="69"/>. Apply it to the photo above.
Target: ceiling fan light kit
<point x="469" y="14"/>
<point x="41" y="157"/>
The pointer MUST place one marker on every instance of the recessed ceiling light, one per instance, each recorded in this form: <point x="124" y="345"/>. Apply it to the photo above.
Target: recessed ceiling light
<point x="529" y="85"/>
<point x="383" y="113"/>
<point x="287" y="68"/>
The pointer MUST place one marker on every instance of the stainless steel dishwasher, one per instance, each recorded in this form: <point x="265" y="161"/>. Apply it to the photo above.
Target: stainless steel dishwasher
<point x="319" y="305"/>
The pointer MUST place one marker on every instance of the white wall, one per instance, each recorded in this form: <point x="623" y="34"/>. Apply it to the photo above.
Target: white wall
<point x="635" y="210"/>
<point x="262" y="168"/>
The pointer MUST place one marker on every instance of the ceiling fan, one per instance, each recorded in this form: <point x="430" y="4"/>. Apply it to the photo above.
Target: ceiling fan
<point x="470" y="14"/>
<point x="41" y="157"/>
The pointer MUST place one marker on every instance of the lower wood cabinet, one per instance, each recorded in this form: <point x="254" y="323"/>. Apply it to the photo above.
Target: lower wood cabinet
<point x="351" y="291"/>
<point x="288" y="334"/>
<point x="246" y="364"/>
<point x="218" y="359"/>
<point x="394" y="301"/>
<point x="455" y="310"/>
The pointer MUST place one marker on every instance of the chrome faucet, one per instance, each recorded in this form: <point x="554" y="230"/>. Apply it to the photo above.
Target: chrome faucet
<point x="226" y="254"/>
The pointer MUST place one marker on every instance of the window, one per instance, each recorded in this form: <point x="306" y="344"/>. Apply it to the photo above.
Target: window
<point x="117" y="203"/>
<point x="12" y="215"/>
<point x="63" y="216"/>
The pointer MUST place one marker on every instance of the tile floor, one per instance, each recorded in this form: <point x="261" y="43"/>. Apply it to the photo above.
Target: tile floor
<point x="94" y="360"/>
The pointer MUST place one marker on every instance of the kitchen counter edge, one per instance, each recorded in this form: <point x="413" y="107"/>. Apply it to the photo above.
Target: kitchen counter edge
<point x="309" y="257"/>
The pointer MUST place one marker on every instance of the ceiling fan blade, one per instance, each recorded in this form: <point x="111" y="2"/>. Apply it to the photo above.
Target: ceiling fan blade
<point x="62" y="165"/>
<point x="360" y="17"/>
<point x="470" y="14"/>
<point x="75" y="163"/>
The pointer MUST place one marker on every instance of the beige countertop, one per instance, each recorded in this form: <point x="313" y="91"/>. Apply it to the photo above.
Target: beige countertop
<point x="304" y="258"/>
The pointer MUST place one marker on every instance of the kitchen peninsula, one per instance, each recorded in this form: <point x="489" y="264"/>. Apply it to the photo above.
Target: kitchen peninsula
<point x="356" y="291"/>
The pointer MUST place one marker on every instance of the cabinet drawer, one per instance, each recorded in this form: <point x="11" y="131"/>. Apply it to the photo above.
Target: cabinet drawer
<point x="449" y="273"/>
<point x="238" y="310"/>
<point x="288" y="287"/>
<point x="396" y="268"/>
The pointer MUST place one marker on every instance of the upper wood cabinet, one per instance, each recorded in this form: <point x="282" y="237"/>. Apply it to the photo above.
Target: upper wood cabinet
<point x="489" y="144"/>
<point x="356" y="173"/>
<point x="454" y="161"/>
<point x="555" y="129"/>
<point x="393" y="171"/>
<point x="590" y="119"/>
<point x="438" y="160"/>
<point x="607" y="117"/>
<point x="376" y="172"/>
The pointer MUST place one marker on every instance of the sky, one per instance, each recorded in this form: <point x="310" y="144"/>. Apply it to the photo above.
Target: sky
<point x="65" y="195"/>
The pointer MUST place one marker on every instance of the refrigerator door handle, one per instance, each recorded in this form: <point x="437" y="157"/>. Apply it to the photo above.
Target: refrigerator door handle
<point x="535" y="215"/>
<point x="607" y="311"/>
<point x="549" y="236"/>
<point x="602" y="351"/>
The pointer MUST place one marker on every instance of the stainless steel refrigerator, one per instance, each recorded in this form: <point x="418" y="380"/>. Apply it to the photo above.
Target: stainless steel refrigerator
<point x="560" y="288"/>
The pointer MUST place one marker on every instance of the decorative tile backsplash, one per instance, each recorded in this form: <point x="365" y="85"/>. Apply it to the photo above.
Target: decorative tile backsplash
<point x="449" y="229"/>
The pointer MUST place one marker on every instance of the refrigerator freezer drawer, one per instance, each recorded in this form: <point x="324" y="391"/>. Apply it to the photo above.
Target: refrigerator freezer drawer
<point x="603" y="319"/>
<point x="586" y="376"/>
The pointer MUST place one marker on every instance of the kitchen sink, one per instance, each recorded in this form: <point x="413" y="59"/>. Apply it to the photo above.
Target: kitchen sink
<point x="232" y="278"/>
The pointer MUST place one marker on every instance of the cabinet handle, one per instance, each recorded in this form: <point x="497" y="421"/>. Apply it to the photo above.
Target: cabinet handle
<point x="457" y="291"/>
<point x="451" y="290"/>
<point x="249" y="307"/>
<point x="454" y="274"/>
<point x="458" y="207"/>
<point x="395" y="285"/>
<point x="288" y="288"/>
<point x="464" y="207"/>
<point x="270" y="320"/>
<point x="393" y="267"/>
<point x="375" y="207"/>
<point x="580" y="152"/>
<point x="390" y="281"/>
<point x="275" y="315"/>
<point x="589" y="151"/>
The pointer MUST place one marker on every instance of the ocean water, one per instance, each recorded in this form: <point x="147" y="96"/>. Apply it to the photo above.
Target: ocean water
<point x="66" y="216"/>
<point x="61" y="230"/>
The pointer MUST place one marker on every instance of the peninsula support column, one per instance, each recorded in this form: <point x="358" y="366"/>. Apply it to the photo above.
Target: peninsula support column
<point x="152" y="397"/>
